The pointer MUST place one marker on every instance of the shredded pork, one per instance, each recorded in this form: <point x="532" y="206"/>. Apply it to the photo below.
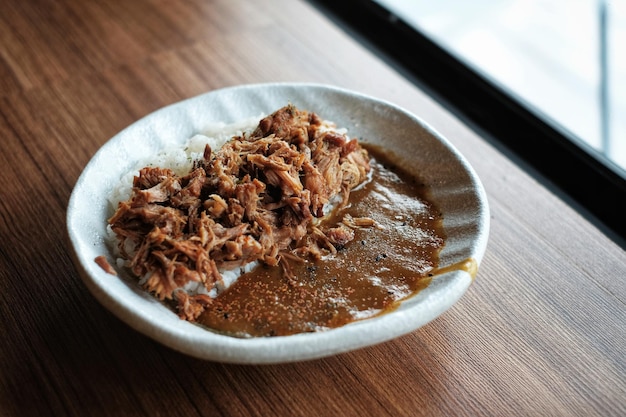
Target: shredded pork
<point x="260" y="197"/>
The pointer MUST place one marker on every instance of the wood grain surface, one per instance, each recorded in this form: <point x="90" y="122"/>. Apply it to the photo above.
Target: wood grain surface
<point x="540" y="333"/>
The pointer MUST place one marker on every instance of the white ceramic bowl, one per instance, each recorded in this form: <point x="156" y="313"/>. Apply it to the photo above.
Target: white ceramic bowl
<point x="456" y="190"/>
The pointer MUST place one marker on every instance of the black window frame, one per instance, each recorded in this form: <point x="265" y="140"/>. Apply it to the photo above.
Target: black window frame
<point x="588" y="181"/>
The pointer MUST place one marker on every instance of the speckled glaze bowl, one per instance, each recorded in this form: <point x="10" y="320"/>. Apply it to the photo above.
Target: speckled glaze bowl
<point x="415" y="146"/>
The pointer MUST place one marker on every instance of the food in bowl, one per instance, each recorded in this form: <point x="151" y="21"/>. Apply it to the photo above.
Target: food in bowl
<point x="287" y="226"/>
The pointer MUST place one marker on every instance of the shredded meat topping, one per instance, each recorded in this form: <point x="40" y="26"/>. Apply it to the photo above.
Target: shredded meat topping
<point x="105" y="265"/>
<point x="258" y="198"/>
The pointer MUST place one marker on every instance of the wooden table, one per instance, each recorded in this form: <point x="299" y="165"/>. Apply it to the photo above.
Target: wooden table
<point x="541" y="331"/>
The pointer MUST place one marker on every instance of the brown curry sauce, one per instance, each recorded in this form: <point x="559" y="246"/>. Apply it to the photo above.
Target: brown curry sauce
<point x="367" y="277"/>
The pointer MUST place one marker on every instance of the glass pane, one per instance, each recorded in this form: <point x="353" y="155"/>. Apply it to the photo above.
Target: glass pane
<point x="563" y="58"/>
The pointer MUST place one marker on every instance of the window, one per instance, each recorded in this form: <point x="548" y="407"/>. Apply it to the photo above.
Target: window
<point x="558" y="57"/>
<point x="544" y="78"/>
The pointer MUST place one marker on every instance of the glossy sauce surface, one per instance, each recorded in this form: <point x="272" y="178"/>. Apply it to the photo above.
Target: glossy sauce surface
<point x="383" y="265"/>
